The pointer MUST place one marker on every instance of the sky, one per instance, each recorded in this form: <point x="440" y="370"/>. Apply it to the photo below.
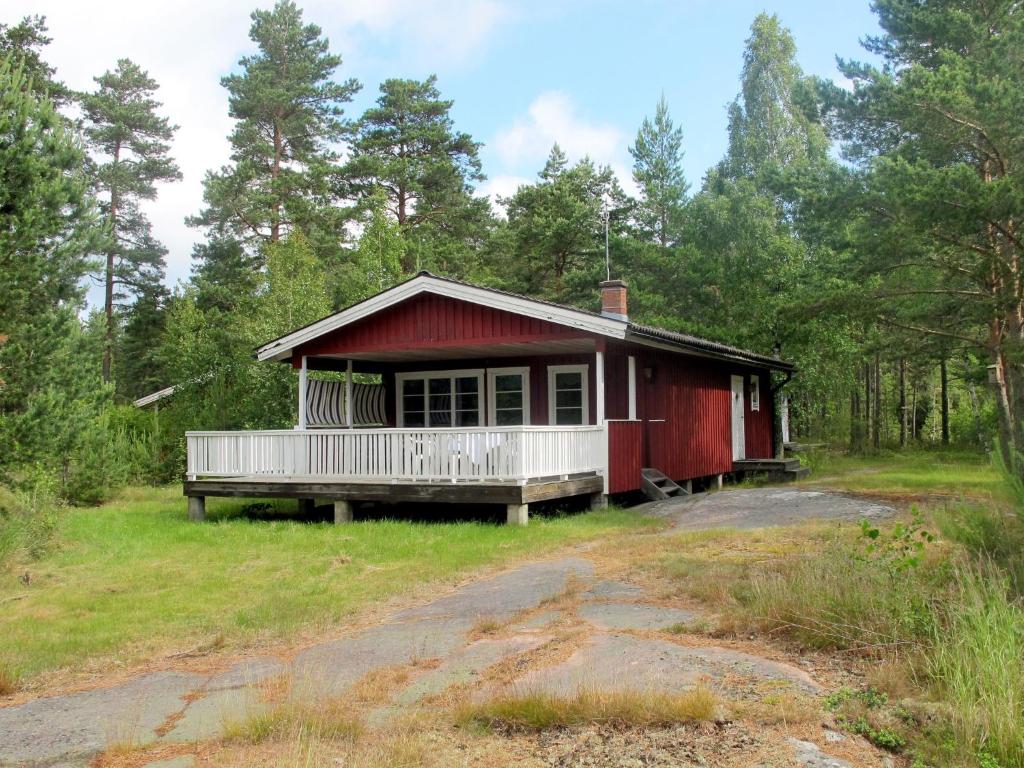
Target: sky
<point x="522" y="73"/>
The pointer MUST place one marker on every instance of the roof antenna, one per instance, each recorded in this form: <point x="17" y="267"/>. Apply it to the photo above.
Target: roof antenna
<point x="607" y="258"/>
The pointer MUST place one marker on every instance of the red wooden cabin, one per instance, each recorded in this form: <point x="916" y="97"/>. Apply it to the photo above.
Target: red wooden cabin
<point x="454" y="392"/>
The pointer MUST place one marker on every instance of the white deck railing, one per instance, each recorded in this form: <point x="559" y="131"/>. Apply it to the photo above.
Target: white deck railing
<point x="496" y="454"/>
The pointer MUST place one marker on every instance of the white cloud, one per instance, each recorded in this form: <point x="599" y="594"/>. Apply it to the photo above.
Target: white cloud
<point x="550" y="118"/>
<point x="502" y="185"/>
<point x="187" y="46"/>
<point x="553" y="117"/>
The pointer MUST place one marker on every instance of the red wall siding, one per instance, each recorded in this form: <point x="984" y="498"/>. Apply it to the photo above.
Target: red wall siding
<point x="429" y="320"/>
<point x="687" y="406"/>
<point x="625" y="455"/>
<point x="759" y="423"/>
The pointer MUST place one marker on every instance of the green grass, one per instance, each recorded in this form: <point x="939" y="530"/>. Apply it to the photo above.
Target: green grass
<point x="953" y="473"/>
<point x="134" y="579"/>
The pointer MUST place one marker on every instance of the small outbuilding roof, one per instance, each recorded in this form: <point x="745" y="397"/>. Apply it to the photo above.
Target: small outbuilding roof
<point x="590" y="322"/>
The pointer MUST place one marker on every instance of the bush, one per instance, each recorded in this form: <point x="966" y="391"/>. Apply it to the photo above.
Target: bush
<point x="118" y="448"/>
<point x="28" y="516"/>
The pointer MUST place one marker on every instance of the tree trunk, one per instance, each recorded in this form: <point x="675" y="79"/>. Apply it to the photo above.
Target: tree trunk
<point x="903" y="402"/>
<point x="944" y="399"/>
<point x="976" y="410"/>
<point x="876" y="427"/>
<point x="108" y="298"/>
<point x="275" y="172"/>
<point x="867" y="402"/>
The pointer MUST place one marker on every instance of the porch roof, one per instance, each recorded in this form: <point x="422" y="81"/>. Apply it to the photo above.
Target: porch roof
<point x="579" y="319"/>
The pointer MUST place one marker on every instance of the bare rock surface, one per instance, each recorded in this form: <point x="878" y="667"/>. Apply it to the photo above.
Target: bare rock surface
<point x="767" y="507"/>
<point x="810" y="755"/>
<point x="633" y="616"/>
<point x="627" y="662"/>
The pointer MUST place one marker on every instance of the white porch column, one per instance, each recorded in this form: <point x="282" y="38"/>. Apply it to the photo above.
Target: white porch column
<point x="631" y="380"/>
<point x="599" y="411"/>
<point x="348" y="394"/>
<point x="302" y="394"/>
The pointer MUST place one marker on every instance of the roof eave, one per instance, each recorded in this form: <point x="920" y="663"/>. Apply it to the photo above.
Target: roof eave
<point x="653" y="340"/>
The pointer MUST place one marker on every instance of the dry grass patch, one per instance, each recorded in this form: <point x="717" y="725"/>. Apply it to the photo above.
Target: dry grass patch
<point x="9" y="681"/>
<point x="329" y="720"/>
<point x="537" y="711"/>
<point x="378" y="685"/>
<point x="784" y="708"/>
<point x="486" y="626"/>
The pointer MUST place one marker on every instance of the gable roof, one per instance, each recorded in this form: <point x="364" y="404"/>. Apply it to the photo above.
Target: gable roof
<point x="559" y="314"/>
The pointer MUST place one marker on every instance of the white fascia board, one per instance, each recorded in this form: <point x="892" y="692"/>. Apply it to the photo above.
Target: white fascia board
<point x="565" y="316"/>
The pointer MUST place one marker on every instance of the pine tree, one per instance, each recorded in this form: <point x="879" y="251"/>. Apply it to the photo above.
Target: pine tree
<point x="289" y="121"/>
<point x="22" y="44"/>
<point x="556" y="229"/>
<point x="936" y="133"/>
<point x="130" y="145"/>
<point x="224" y="274"/>
<point x="376" y="262"/>
<point x="407" y="147"/>
<point x="139" y="368"/>
<point x="47" y="229"/>
<point x="658" y="171"/>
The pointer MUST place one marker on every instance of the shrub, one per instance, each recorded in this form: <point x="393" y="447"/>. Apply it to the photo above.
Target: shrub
<point x="28" y="516"/>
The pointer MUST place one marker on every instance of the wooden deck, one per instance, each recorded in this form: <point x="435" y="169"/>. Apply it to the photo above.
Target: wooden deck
<point x="515" y="496"/>
<point x="344" y="489"/>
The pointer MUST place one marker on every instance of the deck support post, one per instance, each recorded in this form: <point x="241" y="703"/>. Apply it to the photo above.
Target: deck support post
<point x="307" y="507"/>
<point x="719" y="481"/>
<point x="518" y="514"/>
<point x="197" y="508"/>
<point x="689" y="487"/>
<point x="342" y="512"/>
<point x="303" y="384"/>
<point x="348" y="393"/>
<point x="598" y="501"/>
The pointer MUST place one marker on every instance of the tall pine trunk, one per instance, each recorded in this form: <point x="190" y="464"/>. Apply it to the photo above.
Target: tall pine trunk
<point x="108" y="297"/>
<point x="944" y="399"/>
<point x="876" y="427"/>
<point x="903" y="402"/>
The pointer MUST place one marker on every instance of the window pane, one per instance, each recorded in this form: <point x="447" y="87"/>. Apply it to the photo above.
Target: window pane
<point x="508" y="382"/>
<point x="441" y="418"/>
<point x="568" y="416"/>
<point x="569" y="380"/>
<point x="440" y="386"/>
<point x="467" y="419"/>
<point x="511" y="417"/>
<point x="412" y="387"/>
<point x="412" y="403"/>
<point x="414" y="419"/>
<point x="508" y="400"/>
<point x="568" y="399"/>
<point x="467" y="402"/>
<point x="467" y="384"/>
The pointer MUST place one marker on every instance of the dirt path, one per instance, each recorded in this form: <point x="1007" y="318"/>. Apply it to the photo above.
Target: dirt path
<point x="552" y="626"/>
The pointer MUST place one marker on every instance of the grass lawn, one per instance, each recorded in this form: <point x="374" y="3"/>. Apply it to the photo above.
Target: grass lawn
<point x="134" y="579"/>
<point x="955" y="473"/>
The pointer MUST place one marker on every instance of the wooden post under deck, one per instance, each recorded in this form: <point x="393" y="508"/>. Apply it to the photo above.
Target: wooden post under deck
<point x="342" y="512"/>
<point x="599" y="501"/>
<point x="518" y="514"/>
<point x="197" y="508"/>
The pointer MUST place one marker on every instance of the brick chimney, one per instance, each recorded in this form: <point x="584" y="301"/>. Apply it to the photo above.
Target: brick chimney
<point x="613" y="299"/>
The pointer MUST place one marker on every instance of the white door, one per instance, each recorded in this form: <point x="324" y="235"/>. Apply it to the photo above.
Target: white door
<point x="738" y="429"/>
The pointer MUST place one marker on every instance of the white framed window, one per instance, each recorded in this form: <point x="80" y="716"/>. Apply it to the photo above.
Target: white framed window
<point x="508" y="403"/>
<point x="432" y="399"/>
<point x="568" y="394"/>
<point x="755" y="393"/>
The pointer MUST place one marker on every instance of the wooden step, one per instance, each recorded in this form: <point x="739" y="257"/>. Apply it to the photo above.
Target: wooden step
<point x="657" y="486"/>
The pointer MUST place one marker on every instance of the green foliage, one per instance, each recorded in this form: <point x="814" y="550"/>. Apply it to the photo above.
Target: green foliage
<point x="863" y="713"/>
<point x="22" y="45"/>
<point x="658" y="171"/>
<point x="288" y="113"/>
<point x="28" y="516"/>
<point x="376" y="262"/>
<point x="555" y="232"/>
<point x="900" y="548"/>
<point x="407" y="149"/>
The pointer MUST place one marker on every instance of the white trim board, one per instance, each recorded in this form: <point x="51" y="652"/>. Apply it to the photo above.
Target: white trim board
<point x="280" y="349"/>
